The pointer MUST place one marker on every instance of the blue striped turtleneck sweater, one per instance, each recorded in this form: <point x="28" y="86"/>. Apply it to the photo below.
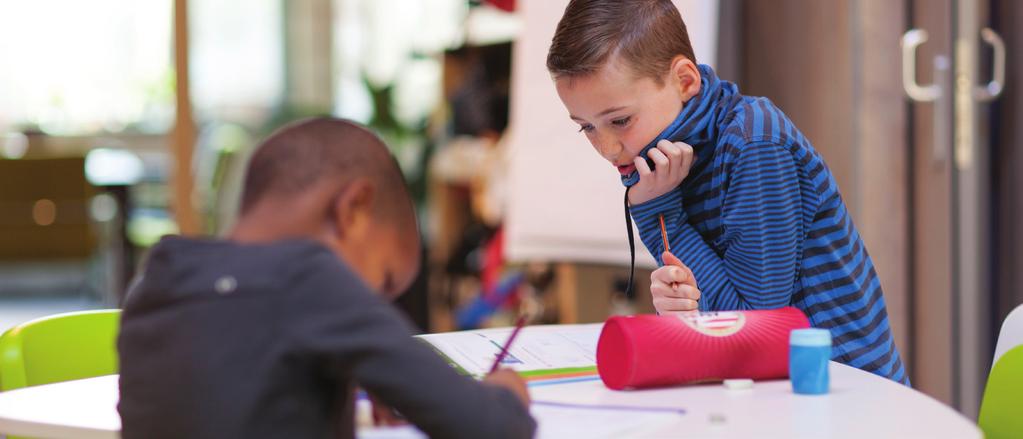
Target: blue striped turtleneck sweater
<point x="761" y="223"/>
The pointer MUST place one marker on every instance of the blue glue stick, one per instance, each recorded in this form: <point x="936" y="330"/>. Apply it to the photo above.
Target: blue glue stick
<point x="809" y="353"/>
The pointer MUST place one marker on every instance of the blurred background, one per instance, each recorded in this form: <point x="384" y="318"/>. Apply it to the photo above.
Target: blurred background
<point x="122" y="121"/>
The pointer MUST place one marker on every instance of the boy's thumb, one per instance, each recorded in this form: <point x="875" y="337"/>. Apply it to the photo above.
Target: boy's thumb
<point x="670" y="259"/>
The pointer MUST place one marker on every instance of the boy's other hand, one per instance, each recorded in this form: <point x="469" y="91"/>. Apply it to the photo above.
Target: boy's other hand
<point x="673" y="287"/>
<point x="510" y="380"/>
<point x="671" y="165"/>
<point x="384" y="415"/>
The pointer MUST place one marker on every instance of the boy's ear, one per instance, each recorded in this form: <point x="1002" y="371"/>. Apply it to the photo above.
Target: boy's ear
<point x="353" y="208"/>
<point x="686" y="75"/>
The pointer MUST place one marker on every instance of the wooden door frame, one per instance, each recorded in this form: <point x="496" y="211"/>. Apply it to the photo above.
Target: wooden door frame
<point x="932" y="281"/>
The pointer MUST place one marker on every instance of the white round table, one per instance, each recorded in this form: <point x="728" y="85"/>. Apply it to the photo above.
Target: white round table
<point x="860" y="405"/>
<point x="83" y="409"/>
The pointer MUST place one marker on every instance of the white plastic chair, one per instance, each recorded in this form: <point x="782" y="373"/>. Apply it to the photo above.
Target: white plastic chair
<point x="1011" y="334"/>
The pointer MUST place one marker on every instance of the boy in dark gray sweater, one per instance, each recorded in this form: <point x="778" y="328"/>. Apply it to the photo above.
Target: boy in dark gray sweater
<point x="266" y="333"/>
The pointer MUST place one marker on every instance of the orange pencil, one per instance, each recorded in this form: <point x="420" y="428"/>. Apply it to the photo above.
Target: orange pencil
<point x="664" y="235"/>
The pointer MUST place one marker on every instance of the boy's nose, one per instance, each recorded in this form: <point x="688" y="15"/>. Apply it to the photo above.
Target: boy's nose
<point x="609" y="148"/>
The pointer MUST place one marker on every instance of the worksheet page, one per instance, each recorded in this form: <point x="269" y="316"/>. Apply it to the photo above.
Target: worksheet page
<point x="537" y="348"/>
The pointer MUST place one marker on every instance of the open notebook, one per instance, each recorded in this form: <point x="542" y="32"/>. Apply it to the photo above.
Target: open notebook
<point x="538" y="353"/>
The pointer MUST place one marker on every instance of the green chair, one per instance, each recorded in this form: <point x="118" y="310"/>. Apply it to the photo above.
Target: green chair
<point x="58" y="348"/>
<point x="1001" y="410"/>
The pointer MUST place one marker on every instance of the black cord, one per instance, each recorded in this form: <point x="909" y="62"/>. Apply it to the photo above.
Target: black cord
<point x="632" y="245"/>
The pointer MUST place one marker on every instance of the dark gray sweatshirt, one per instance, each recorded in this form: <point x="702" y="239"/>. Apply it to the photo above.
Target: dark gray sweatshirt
<point x="223" y="340"/>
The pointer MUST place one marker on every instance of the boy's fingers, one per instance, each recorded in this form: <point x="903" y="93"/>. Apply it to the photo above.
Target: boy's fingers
<point x="669" y="274"/>
<point x="679" y="275"/>
<point x="660" y="160"/>
<point x="676" y="161"/>
<point x="383" y="414"/>
<point x="687" y="292"/>
<point x="687" y="156"/>
<point x="641" y="166"/>
<point x="672" y="150"/>
<point x="671" y="260"/>
<point x="661" y="289"/>
<point x="674" y="291"/>
<point x="668" y="304"/>
<point x="681" y="313"/>
<point x="510" y="380"/>
<point x="386" y="417"/>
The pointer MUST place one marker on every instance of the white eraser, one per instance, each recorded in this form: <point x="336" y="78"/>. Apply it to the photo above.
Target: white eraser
<point x="739" y="384"/>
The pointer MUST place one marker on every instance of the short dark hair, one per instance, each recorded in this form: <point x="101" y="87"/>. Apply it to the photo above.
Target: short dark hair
<point x="302" y="153"/>
<point x="647" y="34"/>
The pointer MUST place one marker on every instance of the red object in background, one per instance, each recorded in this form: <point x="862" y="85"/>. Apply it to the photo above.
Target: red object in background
<point x="655" y="351"/>
<point x="493" y="267"/>
<point x="504" y="5"/>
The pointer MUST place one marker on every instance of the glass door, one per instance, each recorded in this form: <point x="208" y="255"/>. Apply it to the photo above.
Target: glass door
<point x="952" y="43"/>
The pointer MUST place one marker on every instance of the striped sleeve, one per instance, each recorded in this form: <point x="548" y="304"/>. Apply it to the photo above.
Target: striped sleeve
<point x="759" y="251"/>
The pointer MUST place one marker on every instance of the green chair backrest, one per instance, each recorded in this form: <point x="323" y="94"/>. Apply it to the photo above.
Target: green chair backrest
<point x="59" y="348"/>
<point x="1001" y="411"/>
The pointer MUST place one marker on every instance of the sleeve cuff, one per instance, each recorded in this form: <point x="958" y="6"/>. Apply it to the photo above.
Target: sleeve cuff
<point x="647" y="212"/>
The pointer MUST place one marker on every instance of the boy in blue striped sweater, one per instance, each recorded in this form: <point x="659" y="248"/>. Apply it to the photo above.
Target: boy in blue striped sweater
<point x="751" y="211"/>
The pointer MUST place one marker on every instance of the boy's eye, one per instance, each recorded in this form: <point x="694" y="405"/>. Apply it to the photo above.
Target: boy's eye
<point x="587" y="128"/>
<point x="621" y="122"/>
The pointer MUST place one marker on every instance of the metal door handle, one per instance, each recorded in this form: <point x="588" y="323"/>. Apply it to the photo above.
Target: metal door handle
<point x="920" y="93"/>
<point x="993" y="88"/>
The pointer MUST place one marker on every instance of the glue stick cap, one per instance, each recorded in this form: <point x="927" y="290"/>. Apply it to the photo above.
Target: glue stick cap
<point x="810" y="337"/>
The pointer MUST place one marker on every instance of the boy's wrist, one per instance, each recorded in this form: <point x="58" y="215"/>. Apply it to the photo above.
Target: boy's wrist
<point x="638" y="197"/>
<point x="667" y="203"/>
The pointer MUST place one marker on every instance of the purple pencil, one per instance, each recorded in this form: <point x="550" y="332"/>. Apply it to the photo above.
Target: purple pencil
<point x="507" y="345"/>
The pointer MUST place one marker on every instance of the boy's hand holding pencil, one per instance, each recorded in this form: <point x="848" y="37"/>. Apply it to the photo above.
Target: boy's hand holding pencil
<point x="673" y="286"/>
<point x="508" y="378"/>
<point x="511" y="380"/>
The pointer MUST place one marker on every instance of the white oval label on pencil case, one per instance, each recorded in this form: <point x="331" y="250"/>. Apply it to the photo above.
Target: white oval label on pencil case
<point x="715" y="324"/>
